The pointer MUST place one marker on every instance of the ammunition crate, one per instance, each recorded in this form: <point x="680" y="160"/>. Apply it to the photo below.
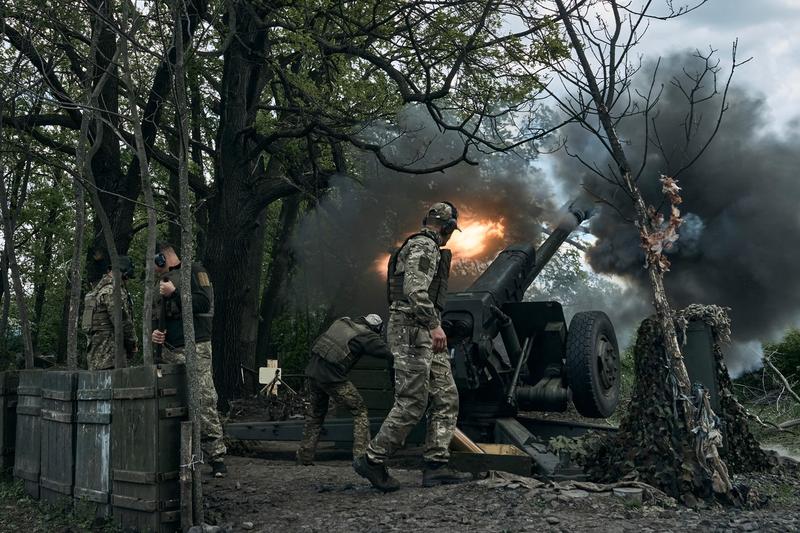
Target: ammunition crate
<point x="27" y="461"/>
<point x="148" y="405"/>
<point x="93" y="445"/>
<point x="8" y="419"/>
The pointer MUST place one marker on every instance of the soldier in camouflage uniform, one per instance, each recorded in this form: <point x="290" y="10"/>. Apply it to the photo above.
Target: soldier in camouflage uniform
<point x="417" y="289"/>
<point x="98" y="319"/>
<point x="168" y="266"/>
<point x="333" y="354"/>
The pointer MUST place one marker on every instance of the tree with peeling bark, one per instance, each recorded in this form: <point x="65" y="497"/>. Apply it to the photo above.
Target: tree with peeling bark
<point x="599" y="94"/>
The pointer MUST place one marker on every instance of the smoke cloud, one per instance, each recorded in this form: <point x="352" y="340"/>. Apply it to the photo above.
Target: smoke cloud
<point x="737" y="244"/>
<point x="342" y="245"/>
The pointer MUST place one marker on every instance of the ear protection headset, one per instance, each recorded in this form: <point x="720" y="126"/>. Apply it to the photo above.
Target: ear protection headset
<point x="160" y="260"/>
<point x="449" y="225"/>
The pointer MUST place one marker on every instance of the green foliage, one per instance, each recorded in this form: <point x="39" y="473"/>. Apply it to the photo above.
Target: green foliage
<point x="568" y="280"/>
<point x="293" y="333"/>
<point x="786" y="353"/>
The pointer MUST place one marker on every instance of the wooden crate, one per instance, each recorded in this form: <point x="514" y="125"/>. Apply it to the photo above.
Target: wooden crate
<point x="58" y="437"/>
<point x="27" y="462"/>
<point x="8" y="419"/>
<point x="93" y="441"/>
<point x="148" y="405"/>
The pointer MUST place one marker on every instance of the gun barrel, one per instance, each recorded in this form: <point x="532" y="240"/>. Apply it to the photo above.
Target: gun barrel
<point x="571" y="219"/>
<point x="515" y="268"/>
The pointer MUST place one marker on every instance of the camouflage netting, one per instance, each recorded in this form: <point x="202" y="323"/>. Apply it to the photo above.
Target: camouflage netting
<point x="740" y="450"/>
<point x="652" y="444"/>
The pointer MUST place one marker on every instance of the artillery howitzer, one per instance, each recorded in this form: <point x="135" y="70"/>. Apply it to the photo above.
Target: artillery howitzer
<point x="508" y="356"/>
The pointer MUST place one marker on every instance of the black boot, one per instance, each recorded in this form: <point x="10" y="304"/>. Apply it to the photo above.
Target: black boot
<point x="442" y="474"/>
<point x="303" y="459"/>
<point x="376" y="473"/>
<point x="218" y="469"/>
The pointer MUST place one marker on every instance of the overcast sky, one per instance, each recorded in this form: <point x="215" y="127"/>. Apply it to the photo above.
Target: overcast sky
<point x="767" y="31"/>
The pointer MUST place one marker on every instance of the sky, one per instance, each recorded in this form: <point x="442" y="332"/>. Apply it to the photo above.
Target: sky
<point x="767" y="32"/>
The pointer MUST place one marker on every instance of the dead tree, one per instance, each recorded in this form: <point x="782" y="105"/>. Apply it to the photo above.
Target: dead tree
<point x="598" y="78"/>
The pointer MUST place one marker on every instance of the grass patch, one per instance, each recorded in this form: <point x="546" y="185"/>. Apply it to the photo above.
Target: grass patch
<point x="21" y="513"/>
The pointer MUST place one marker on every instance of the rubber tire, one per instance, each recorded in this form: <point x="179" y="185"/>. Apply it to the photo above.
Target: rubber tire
<point x="583" y="374"/>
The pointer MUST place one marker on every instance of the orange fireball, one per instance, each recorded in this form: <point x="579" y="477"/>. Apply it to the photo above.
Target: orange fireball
<point x="381" y="264"/>
<point x="471" y="243"/>
<point x="474" y="237"/>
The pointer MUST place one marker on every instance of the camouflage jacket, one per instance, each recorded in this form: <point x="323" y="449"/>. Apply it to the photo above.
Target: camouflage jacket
<point x="98" y="317"/>
<point x="419" y="259"/>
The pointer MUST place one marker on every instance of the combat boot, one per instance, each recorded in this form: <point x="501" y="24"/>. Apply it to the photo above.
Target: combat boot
<point x="303" y="460"/>
<point x="442" y="474"/>
<point x="377" y="474"/>
<point x="218" y="469"/>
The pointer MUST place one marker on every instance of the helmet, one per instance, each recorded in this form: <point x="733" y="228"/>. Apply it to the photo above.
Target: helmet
<point x="447" y="215"/>
<point x="375" y="322"/>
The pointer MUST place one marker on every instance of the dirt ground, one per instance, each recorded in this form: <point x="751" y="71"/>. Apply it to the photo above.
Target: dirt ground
<point x="265" y="491"/>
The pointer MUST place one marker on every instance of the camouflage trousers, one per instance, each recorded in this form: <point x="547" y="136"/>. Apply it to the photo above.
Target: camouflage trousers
<point x="211" y="430"/>
<point x="423" y="380"/>
<point x="344" y="394"/>
<point x="100" y="354"/>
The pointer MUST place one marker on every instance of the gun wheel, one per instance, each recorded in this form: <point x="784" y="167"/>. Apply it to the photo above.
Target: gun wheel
<point x="593" y="364"/>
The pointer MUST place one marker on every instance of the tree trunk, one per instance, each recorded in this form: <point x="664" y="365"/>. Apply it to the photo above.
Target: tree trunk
<point x="93" y="115"/>
<point x="62" y="334"/>
<point x="664" y="313"/>
<point x="40" y="287"/>
<point x="234" y="254"/>
<point x="149" y="200"/>
<point x="244" y="190"/>
<point x="273" y="295"/>
<point x="19" y="293"/>
<point x="4" y="313"/>
<point x="187" y="255"/>
<point x="106" y="162"/>
<point x="107" y="167"/>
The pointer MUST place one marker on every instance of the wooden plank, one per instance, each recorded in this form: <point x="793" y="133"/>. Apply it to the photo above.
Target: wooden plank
<point x="27" y="460"/>
<point x="58" y="437"/>
<point x="93" y="444"/>
<point x="8" y="419"/>
<point x="149" y="404"/>
<point x="185" y="479"/>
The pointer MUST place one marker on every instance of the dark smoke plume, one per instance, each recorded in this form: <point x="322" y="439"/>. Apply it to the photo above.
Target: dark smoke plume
<point x="738" y="245"/>
<point x="342" y="245"/>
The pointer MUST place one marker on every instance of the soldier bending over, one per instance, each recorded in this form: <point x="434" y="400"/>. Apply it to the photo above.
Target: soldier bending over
<point x="333" y="354"/>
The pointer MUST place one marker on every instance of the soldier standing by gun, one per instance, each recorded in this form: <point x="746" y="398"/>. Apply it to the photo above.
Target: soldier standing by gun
<point x="98" y="319"/>
<point x="168" y="332"/>
<point x="417" y="289"/>
<point x="333" y="354"/>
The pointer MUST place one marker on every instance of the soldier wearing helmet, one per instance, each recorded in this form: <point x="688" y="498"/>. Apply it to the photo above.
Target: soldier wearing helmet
<point x="333" y="354"/>
<point x="417" y="290"/>
<point x="98" y="319"/>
